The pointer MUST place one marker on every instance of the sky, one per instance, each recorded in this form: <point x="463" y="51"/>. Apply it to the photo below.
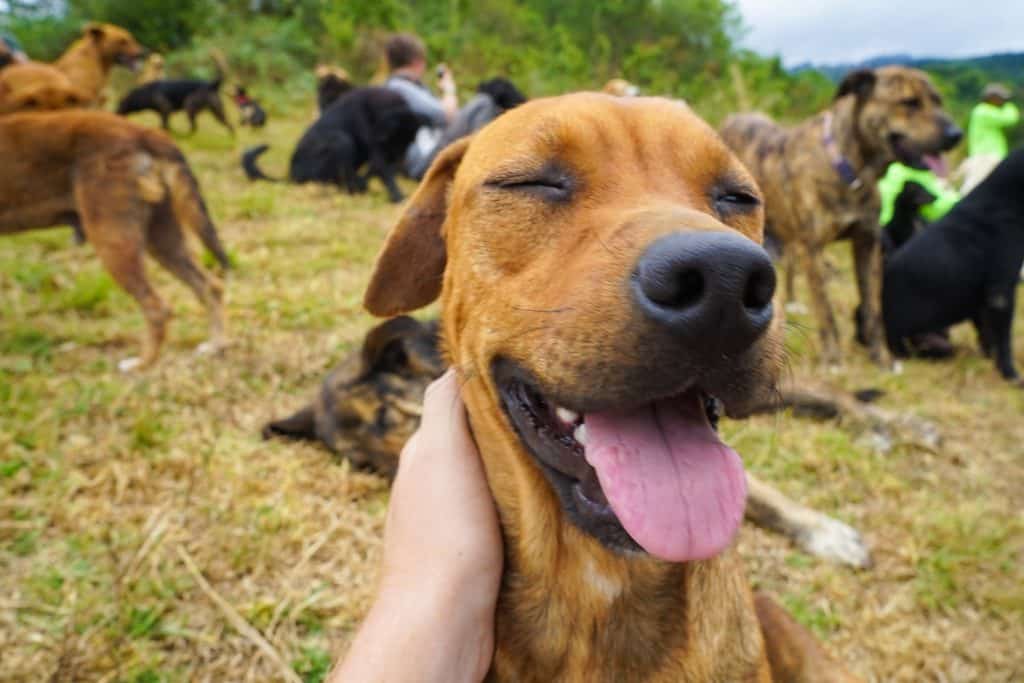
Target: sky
<point x="841" y="31"/>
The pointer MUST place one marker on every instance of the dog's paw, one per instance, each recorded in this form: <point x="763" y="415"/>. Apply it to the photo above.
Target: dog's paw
<point x="129" y="364"/>
<point x="209" y="348"/>
<point x="797" y="308"/>
<point x="831" y="539"/>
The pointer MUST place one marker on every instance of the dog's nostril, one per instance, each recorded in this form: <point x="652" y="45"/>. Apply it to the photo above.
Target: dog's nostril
<point x="760" y="289"/>
<point x="689" y="289"/>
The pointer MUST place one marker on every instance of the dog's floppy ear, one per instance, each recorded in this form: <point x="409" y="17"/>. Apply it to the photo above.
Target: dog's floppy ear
<point x="410" y="266"/>
<point x="384" y="345"/>
<point x="860" y="83"/>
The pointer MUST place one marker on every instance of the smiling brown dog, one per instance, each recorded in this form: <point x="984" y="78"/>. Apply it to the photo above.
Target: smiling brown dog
<point x="820" y="179"/>
<point x="602" y="289"/>
<point x="130" y="190"/>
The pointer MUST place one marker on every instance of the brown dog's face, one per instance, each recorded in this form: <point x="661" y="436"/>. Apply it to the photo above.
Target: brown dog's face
<point x="604" y="292"/>
<point x="902" y="113"/>
<point x="117" y="45"/>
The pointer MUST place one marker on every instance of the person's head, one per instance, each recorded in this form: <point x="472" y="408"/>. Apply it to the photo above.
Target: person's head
<point x="406" y="51"/>
<point x="996" y="93"/>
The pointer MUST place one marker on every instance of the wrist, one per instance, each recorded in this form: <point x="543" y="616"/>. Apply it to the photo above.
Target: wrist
<point x="450" y="634"/>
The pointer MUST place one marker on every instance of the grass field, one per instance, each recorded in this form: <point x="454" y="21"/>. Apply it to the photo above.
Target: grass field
<point x="148" y="534"/>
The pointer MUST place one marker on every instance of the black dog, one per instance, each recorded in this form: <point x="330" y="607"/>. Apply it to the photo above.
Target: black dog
<point x="371" y="126"/>
<point x="906" y="216"/>
<point x="963" y="267"/>
<point x="249" y="110"/>
<point x="166" y="97"/>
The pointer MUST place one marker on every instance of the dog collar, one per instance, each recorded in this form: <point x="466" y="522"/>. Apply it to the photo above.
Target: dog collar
<point x="840" y="163"/>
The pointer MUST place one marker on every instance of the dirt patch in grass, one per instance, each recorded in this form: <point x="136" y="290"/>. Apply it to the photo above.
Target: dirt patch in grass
<point x="138" y="512"/>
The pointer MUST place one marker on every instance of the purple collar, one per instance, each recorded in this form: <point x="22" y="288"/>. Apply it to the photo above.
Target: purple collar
<point x="840" y="163"/>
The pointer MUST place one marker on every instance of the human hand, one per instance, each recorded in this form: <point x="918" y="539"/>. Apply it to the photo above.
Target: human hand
<point x="445" y="79"/>
<point x="442" y="529"/>
<point x="433" y="619"/>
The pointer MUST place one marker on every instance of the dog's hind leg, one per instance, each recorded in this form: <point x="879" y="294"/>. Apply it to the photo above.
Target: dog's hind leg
<point x="814" y="532"/>
<point x="793" y="652"/>
<point x="166" y="243"/>
<point x="867" y="257"/>
<point x="112" y="218"/>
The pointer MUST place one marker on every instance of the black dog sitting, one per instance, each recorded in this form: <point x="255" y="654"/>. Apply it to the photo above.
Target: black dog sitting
<point x="963" y="267"/>
<point x="249" y="110"/>
<point x="166" y="97"/>
<point x="371" y="126"/>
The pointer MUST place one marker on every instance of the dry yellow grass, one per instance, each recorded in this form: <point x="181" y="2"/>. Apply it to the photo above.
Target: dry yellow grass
<point x="142" y="519"/>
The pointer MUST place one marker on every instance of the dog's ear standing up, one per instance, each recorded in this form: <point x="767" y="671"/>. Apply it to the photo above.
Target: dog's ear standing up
<point x="93" y="30"/>
<point x="860" y="83"/>
<point x="410" y="267"/>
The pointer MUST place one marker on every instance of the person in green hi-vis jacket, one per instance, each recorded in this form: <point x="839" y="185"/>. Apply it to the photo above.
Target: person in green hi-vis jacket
<point x="986" y="134"/>
<point x="897" y="175"/>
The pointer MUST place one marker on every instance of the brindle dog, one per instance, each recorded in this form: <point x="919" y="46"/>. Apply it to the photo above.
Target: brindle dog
<point x="369" y="405"/>
<point x="819" y="178"/>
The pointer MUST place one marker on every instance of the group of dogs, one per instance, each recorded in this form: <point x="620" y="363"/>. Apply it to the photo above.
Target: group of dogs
<point x="605" y="298"/>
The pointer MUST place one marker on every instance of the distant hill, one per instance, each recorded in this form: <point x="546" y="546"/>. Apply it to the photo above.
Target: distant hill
<point x="1007" y="67"/>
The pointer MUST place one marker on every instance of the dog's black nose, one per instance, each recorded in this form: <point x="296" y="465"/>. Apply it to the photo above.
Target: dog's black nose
<point x="952" y="135"/>
<point x="711" y="289"/>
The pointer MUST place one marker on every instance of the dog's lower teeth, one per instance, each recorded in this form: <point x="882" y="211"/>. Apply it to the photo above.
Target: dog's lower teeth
<point x="580" y="434"/>
<point x="567" y="416"/>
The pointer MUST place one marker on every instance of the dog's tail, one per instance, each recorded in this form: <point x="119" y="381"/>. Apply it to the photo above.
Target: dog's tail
<point x="251" y="167"/>
<point x="190" y="209"/>
<point x="300" y="426"/>
<point x="223" y="70"/>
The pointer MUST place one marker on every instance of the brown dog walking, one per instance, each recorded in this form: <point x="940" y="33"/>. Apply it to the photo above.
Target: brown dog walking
<point x="131" y="192"/>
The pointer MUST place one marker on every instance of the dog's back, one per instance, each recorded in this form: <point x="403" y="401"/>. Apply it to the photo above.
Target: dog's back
<point x="173" y="92"/>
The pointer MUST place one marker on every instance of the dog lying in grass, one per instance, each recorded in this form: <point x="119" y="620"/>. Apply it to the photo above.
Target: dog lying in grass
<point x="130" y="191"/>
<point x="369" y="405"/>
<point x="166" y="97"/>
<point x="965" y="266"/>
<point x="368" y="126"/>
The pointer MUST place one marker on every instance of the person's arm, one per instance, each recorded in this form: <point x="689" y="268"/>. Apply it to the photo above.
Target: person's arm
<point x="889" y="188"/>
<point x="433" y="618"/>
<point x="1002" y="116"/>
<point x="449" y="98"/>
<point x="421" y="101"/>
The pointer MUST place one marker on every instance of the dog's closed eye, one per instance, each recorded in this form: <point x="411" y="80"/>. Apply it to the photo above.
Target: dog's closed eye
<point x="550" y="183"/>
<point x="730" y="201"/>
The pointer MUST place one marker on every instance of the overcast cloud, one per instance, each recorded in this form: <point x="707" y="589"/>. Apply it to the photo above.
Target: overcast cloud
<point x="833" y="31"/>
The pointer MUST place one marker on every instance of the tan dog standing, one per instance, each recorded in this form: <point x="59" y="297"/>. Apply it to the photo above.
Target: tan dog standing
<point x="602" y="293"/>
<point x="819" y="178"/>
<point x="87" y="62"/>
<point x="131" y="192"/>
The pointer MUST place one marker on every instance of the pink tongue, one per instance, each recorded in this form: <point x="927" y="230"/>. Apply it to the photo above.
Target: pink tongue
<point x="677" y="490"/>
<point x="937" y="165"/>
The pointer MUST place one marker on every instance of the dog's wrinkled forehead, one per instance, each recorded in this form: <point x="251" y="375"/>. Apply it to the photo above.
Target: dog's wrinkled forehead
<point x="898" y="84"/>
<point x="594" y="135"/>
